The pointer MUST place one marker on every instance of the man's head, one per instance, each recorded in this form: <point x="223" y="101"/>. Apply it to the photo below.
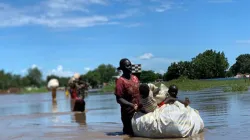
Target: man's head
<point x="173" y="91"/>
<point x="125" y="65"/>
<point x="144" y="90"/>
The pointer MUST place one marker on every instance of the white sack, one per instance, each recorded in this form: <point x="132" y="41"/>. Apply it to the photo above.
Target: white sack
<point x="173" y="120"/>
<point x="53" y="83"/>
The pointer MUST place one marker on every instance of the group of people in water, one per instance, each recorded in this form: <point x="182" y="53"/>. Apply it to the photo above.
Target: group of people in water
<point x="133" y="96"/>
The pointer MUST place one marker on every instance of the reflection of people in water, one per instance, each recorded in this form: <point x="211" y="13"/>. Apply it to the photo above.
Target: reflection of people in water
<point x="80" y="118"/>
<point x="54" y="106"/>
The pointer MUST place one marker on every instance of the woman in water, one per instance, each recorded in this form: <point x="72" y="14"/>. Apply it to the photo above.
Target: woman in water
<point x="127" y="94"/>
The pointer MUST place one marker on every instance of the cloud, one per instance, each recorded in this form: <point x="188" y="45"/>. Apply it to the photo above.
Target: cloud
<point x="146" y="56"/>
<point x="87" y="69"/>
<point x="163" y="8"/>
<point x="158" y="64"/>
<point x="127" y="13"/>
<point x="59" y="71"/>
<point x="53" y="13"/>
<point x="162" y="5"/>
<point x="34" y="66"/>
<point x="76" y="13"/>
<point x="243" y="41"/>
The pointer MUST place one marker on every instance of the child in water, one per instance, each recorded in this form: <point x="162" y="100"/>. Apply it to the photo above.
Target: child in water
<point x="148" y="97"/>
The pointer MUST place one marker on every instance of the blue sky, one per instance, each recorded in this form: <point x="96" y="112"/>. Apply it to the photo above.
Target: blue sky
<point x="66" y="36"/>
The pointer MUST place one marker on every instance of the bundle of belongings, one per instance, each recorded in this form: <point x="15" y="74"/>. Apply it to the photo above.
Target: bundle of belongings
<point x="165" y="119"/>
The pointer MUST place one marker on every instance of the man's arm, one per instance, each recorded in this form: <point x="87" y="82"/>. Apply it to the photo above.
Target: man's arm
<point x="122" y="101"/>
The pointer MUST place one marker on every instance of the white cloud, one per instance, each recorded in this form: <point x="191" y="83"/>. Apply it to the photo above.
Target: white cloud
<point x="158" y="64"/>
<point x="162" y="5"/>
<point x="163" y="8"/>
<point x="243" y="41"/>
<point x="34" y="66"/>
<point x="59" y="71"/>
<point x="87" y="69"/>
<point x="53" y="13"/>
<point x="146" y="56"/>
<point x="127" y="13"/>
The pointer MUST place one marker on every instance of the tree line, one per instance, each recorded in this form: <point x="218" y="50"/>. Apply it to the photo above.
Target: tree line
<point x="206" y="65"/>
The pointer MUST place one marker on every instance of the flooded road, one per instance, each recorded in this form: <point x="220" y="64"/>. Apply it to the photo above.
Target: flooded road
<point x="35" y="116"/>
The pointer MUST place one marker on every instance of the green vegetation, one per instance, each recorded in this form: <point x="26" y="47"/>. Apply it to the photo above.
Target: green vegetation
<point x="185" y="84"/>
<point x="109" y="88"/>
<point x="207" y="65"/>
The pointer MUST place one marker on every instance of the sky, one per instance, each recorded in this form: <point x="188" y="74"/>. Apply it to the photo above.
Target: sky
<point x="66" y="36"/>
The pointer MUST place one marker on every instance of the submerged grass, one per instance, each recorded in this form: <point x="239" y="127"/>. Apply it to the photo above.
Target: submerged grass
<point x="184" y="84"/>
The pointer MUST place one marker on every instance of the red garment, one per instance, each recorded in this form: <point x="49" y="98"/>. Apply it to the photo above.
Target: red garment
<point x="73" y="93"/>
<point x="128" y="90"/>
<point x="161" y="103"/>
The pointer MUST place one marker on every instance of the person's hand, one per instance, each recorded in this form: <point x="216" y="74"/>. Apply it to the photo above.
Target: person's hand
<point x="135" y="107"/>
<point x="187" y="102"/>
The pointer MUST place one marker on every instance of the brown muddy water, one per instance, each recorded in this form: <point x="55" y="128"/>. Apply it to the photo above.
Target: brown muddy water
<point x="35" y="116"/>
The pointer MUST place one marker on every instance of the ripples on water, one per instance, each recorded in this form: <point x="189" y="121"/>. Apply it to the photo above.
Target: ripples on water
<point x="30" y="116"/>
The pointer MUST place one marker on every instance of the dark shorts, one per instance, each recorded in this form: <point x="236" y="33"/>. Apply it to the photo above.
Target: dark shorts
<point x="79" y="105"/>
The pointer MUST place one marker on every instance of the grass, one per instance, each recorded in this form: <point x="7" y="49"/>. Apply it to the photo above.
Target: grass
<point x="109" y="88"/>
<point x="185" y="84"/>
<point x="34" y="90"/>
<point x="196" y="85"/>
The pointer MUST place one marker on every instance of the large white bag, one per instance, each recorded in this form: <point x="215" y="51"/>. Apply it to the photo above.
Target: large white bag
<point x="53" y="83"/>
<point x="170" y="120"/>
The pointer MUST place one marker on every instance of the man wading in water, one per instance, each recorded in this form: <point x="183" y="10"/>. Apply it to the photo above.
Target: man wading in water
<point x="127" y="95"/>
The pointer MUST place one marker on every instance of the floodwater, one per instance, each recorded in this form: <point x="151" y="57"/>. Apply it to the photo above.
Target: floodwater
<point x="35" y="116"/>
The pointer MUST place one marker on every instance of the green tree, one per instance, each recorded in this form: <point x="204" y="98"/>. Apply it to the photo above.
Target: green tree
<point x="210" y="64"/>
<point x="106" y="72"/>
<point x="182" y="68"/>
<point x="148" y="76"/>
<point x="35" y="77"/>
<point x="93" y="78"/>
<point x="242" y="64"/>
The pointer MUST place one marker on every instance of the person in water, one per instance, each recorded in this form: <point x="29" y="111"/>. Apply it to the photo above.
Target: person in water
<point x="77" y="92"/>
<point x="127" y="95"/>
<point x="148" y="97"/>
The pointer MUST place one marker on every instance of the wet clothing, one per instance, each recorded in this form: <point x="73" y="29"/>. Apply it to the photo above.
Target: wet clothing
<point x="73" y="93"/>
<point x="128" y="90"/>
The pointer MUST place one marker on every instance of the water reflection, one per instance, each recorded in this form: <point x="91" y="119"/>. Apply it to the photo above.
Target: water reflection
<point x="80" y="118"/>
<point x="226" y="115"/>
<point x="196" y="137"/>
<point x="54" y="106"/>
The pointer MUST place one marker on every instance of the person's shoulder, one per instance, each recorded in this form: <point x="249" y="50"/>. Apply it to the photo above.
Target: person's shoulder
<point x="119" y="80"/>
<point x="134" y="78"/>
